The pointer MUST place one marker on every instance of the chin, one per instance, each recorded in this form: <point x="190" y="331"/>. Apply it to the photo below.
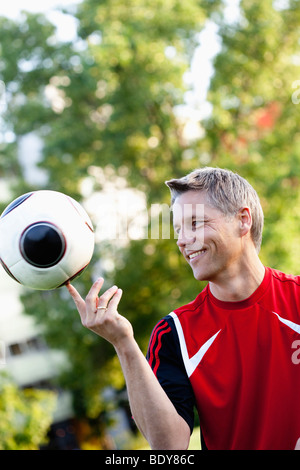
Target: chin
<point x="200" y="276"/>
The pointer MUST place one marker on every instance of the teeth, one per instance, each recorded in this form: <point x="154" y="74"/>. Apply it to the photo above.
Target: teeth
<point x="193" y="255"/>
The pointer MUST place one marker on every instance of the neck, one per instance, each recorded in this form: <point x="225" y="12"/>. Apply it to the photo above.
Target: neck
<point x="239" y="282"/>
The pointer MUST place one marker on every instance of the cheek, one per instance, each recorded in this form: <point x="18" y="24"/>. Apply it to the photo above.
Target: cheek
<point x="209" y="234"/>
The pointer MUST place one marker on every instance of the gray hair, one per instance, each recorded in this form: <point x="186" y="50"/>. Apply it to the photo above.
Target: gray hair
<point x="226" y="191"/>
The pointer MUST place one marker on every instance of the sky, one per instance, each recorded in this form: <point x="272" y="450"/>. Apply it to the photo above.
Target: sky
<point x="65" y="24"/>
<point x="13" y="7"/>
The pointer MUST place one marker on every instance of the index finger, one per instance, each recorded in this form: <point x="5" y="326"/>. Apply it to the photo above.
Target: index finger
<point x="80" y="304"/>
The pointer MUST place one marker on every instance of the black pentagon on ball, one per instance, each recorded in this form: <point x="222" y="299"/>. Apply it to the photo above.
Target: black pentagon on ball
<point x="42" y="244"/>
<point x="15" y="203"/>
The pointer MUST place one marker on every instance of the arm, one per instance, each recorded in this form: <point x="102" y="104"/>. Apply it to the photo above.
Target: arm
<point x="154" y="413"/>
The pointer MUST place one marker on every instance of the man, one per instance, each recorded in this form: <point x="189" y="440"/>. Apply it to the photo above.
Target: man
<point x="230" y="351"/>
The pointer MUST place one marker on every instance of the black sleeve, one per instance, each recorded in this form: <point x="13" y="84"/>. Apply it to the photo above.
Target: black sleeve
<point x="165" y="358"/>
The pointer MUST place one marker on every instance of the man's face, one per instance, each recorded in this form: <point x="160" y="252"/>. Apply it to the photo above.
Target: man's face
<point x="209" y="240"/>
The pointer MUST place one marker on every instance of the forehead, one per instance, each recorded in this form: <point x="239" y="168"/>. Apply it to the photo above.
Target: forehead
<point x="193" y="204"/>
<point x="191" y="197"/>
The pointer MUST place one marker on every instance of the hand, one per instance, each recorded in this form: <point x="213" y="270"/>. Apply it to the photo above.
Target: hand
<point x="100" y="315"/>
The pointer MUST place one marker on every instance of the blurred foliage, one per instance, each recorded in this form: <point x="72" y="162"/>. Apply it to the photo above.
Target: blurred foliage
<point x="25" y="416"/>
<point x="105" y="106"/>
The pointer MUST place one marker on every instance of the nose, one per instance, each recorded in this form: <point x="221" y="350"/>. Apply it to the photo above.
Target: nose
<point x="185" y="239"/>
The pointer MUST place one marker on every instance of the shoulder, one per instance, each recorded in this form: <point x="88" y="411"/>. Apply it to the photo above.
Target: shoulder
<point x="193" y="306"/>
<point x="166" y="324"/>
<point x="162" y="336"/>
<point x="284" y="295"/>
<point x="164" y="354"/>
<point x="161" y="328"/>
<point x="280" y="277"/>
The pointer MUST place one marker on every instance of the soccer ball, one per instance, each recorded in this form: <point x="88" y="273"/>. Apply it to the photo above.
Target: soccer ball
<point x="46" y="239"/>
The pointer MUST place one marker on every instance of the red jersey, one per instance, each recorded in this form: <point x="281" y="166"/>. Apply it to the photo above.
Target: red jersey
<point x="238" y="363"/>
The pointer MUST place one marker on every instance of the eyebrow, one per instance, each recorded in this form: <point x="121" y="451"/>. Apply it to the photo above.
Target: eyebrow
<point x="193" y="217"/>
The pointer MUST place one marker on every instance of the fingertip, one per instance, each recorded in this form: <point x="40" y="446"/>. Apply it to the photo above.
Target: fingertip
<point x="113" y="288"/>
<point x="99" y="282"/>
<point x="119" y="293"/>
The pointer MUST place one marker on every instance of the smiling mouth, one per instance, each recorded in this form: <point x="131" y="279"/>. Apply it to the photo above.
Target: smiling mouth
<point x="196" y="254"/>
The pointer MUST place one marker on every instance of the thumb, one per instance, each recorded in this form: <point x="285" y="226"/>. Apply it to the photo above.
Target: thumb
<point x="298" y="444"/>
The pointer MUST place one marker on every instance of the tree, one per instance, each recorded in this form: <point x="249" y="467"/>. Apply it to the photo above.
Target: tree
<point x="25" y="415"/>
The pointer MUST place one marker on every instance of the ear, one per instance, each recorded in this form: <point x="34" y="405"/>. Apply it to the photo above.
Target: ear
<point x="245" y="220"/>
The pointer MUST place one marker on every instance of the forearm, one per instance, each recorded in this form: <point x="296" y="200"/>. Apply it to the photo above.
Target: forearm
<point x="152" y="410"/>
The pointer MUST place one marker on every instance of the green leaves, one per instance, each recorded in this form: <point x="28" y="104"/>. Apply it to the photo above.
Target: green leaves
<point x="25" y="416"/>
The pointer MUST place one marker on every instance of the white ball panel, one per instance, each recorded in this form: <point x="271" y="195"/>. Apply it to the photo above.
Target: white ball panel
<point x="38" y="278"/>
<point x="79" y="250"/>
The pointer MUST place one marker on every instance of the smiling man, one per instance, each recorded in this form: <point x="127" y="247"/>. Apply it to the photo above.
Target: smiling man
<point x="228" y="352"/>
<point x="219" y="220"/>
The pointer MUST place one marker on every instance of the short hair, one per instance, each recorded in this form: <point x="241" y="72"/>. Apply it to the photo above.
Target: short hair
<point x="226" y="191"/>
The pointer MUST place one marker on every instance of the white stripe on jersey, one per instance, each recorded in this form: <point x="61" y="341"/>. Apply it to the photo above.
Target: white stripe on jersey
<point x="191" y="363"/>
<point x="289" y="323"/>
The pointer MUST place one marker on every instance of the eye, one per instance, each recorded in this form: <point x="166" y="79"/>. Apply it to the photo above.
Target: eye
<point x="196" y="224"/>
